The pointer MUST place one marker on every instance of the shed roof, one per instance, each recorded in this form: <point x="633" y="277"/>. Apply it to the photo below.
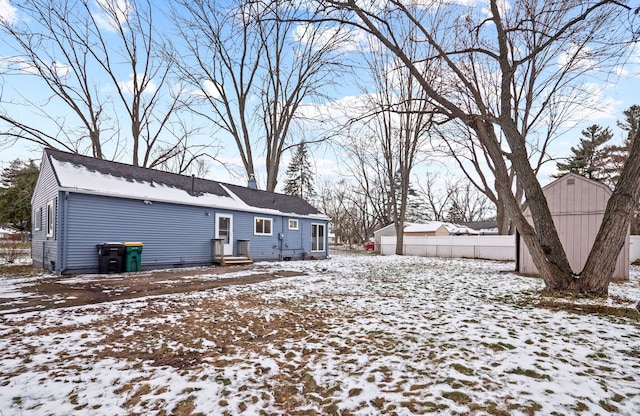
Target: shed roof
<point x="84" y="174"/>
<point x="575" y="176"/>
<point x="391" y="226"/>
<point x="432" y="226"/>
<point x="427" y="227"/>
<point x="480" y="225"/>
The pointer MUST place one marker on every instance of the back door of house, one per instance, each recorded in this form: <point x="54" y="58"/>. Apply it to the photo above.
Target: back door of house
<point x="224" y="230"/>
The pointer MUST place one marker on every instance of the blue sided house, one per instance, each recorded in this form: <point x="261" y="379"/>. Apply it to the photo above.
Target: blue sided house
<point x="82" y="205"/>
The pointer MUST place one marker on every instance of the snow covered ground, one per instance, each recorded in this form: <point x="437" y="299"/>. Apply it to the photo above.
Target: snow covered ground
<point x="360" y="335"/>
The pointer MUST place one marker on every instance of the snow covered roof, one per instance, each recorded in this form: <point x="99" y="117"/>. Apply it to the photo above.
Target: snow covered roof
<point x="84" y="174"/>
<point x="390" y="226"/>
<point x="427" y="227"/>
<point x="481" y="225"/>
<point x="432" y="226"/>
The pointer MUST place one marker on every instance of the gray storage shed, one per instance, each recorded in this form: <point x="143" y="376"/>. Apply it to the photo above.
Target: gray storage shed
<point x="577" y="205"/>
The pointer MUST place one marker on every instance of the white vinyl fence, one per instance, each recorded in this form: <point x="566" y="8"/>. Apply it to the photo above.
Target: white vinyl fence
<point x="634" y="248"/>
<point x="491" y="247"/>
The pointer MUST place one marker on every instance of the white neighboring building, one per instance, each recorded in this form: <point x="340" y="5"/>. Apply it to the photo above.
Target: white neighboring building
<point x="483" y="227"/>
<point x="388" y="231"/>
<point x="437" y="228"/>
<point x="423" y="228"/>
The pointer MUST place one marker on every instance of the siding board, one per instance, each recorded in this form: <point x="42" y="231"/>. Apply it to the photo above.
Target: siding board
<point x="577" y="211"/>
<point x="44" y="250"/>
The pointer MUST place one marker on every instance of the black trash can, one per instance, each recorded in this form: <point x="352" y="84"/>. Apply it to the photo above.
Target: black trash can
<point x="110" y="257"/>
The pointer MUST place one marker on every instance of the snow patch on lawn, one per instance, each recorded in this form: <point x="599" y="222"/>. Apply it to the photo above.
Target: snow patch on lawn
<point x="360" y="335"/>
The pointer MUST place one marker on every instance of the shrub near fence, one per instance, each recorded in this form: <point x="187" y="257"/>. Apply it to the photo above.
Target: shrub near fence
<point x="490" y="247"/>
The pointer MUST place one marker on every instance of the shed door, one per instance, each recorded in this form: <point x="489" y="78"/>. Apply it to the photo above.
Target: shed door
<point x="224" y="230"/>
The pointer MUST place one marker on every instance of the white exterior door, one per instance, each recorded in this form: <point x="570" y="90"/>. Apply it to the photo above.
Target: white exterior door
<point x="224" y="230"/>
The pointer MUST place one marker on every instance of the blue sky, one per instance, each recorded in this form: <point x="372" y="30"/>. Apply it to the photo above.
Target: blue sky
<point x="612" y="97"/>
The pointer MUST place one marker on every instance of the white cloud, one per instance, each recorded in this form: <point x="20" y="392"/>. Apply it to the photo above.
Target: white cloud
<point x="14" y="63"/>
<point x="576" y="58"/>
<point x="346" y="40"/>
<point x="337" y="111"/>
<point x="631" y="67"/>
<point x="22" y="66"/>
<point x="467" y="3"/>
<point x="128" y="87"/>
<point x="598" y="106"/>
<point x="503" y="6"/>
<point x="110" y="14"/>
<point x="209" y="89"/>
<point x="621" y="71"/>
<point x="7" y="12"/>
<point x="60" y="69"/>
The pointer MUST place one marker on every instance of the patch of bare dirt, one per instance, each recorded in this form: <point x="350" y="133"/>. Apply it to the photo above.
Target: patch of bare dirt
<point x="49" y="293"/>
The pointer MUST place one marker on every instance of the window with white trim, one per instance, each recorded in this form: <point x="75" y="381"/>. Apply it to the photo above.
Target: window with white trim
<point x="50" y="219"/>
<point x="317" y="237"/>
<point x="293" y="224"/>
<point x="263" y="226"/>
<point x="37" y="216"/>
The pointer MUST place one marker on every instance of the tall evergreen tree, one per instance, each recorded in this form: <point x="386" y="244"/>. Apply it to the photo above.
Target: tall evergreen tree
<point x="299" y="181"/>
<point x="588" y="157"/>
<point x="16" y="187"/>
<point x="456" y="213"/>
<point x="618" y="154"/>
<point x="415" y="205"/>
<point x="631" y="124"/>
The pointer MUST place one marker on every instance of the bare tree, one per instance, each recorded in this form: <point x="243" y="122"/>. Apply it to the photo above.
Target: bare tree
<point x="437" y="198"/>
<point x="46" y="49"/>
<point x="81" y="51"/>
<point x="389" y="137"/>
<point x="487" y="54"/>
<point x="460" y="143"/>
<point x="473" y="205"/>
<point x="252" y="67"/>
<point x="361" y="159"/>
<point x="349" y="210"/>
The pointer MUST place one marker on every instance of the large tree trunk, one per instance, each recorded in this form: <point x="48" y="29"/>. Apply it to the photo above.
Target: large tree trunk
<point x="541" y="239"/>
<point x="399" y="226"/>
<point x="601" y="263"/>
<point x="503" y="220"/>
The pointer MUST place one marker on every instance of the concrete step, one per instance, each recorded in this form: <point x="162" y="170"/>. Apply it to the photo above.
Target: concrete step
<point x="232" y="260"/>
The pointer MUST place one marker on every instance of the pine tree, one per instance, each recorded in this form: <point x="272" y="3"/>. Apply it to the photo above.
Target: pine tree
<point x="617" y="155"/>
<point x="588" y="157"/>
<point x="299" y="180"/>
<point x="631" y="124"/>
<point x="456" y="213"/>
<point x="415" y="205"/>
<point x="17" y="186"/>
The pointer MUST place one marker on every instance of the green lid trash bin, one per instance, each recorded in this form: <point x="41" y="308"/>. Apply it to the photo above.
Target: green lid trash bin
<point x="132" y="256"/>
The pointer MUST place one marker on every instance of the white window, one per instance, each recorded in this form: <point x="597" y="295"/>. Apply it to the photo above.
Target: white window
<point x="317" y="237"/>
<point x="263" y="226"/>
<point x="50" y="219"/>
<point x="38" y="219"/>
<point x="293" y="224"/>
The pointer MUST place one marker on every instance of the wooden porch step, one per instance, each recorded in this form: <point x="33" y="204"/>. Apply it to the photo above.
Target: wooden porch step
<point x="231" y="260"/>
